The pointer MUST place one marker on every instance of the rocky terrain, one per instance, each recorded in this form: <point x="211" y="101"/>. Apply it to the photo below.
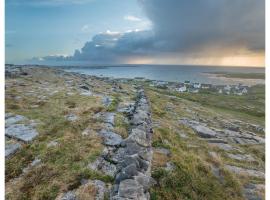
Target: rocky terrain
<point x="71" y="136"/>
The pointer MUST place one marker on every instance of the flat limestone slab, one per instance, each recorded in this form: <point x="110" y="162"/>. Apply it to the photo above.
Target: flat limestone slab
<point x="11" y="149"/>
<point x="13" y="119"/>
<point x="242" y="171"/>
<point x="25" y="133"/>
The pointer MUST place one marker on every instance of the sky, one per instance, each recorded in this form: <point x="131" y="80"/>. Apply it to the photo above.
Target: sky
<point x="196" y="32"/>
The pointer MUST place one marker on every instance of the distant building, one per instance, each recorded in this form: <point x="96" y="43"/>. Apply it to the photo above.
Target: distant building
<point x="227" y="88"/>
<point x="182" y="88"/>
<point x="197" y="85"/>
<point x="206" y="86"/>
<point x="187" y="82"/>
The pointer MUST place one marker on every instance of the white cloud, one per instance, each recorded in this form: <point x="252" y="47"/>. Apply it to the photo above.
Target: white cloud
<point x="46" y="2"/>
<point x="85" y="28"/>
<point x="132" y="18"/>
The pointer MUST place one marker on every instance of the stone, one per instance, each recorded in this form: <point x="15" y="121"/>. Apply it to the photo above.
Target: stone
<point x="34" y="163"/>
<point x="139" y="117"/>
<point x="222" y="146"/>
<point x="241" y="157"/>
<point x="25" y="133"/>
<point x="169" y="166"/>
<point x="102" y="165"/>
<point x="259" y="139"/>
<point x="71" y="117"/>
<point x="13" y="119"/>
<point x="110" y="138"/>
<point x="109" y="118"/>
<point x="86" y="93"/>
<point x="251" y="191"/>
<point x="84" y="87"/>
<point x="126" y="107"/>
<point x="146" y="181"/>
<point x="11" y="149"/>
<point x="106" y="101"/>
<point x="52" y="144"/>
<point x="130" y="189"/>
<point x="216" y="140"/>
<point x="87" y="131"/>
<point x="69" y="196"/>
<point x="204" y="132"/>
<point x="231" y="133"/>
<point x="243" y="171"/>
<point x="232" y="127"/>
<point x="126" y="173"/>
<point x="140" y="137"/>
<point x="199" y="128"/>
<point x="101" y="189"/>
<point x="131" y="147"/>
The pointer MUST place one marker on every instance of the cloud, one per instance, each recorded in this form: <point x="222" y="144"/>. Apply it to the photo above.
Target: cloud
<point x="188" y="25"/>
<point x="85" y="28"/>
<point x="132" y="18"/>
<point x="181" y="29"/>
<point x="46" y="2"/>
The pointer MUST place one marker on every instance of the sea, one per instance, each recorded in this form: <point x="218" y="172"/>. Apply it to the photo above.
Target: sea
<point x="172" y="73"/>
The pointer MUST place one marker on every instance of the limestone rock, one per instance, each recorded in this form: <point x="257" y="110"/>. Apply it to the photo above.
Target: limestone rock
<point x="110" y="138"/>
<point x="102" y="165"/>
<point x="243" y="171"/>
<point x="25" y="133"/>
<point x="12" y="119"/>
<point x="241" y="157"/>
<point x="11" y="149"/>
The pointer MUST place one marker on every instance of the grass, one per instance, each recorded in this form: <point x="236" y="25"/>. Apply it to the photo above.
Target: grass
<point x="63" y="166"/>
<point x="192" y="177"/>
<point x="251" y="106"/>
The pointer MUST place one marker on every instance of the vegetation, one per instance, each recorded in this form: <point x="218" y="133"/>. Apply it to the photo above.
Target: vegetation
<point x="193" y="176"/>
<point x="240" y="75"/>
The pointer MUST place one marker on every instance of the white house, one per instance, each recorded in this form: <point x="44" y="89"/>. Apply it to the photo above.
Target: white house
<point x="227" y="88"/>
<point x="244" y="91"/>
<point x="197" y="85"/>
<point x="182" y="89"/>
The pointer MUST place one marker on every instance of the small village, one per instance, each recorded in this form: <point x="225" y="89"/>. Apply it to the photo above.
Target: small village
<point x="190" y="87"/>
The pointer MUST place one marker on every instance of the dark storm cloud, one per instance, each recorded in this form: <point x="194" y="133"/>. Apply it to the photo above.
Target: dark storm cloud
<point x="188" y="24"/>
<point x="183" y="26"/>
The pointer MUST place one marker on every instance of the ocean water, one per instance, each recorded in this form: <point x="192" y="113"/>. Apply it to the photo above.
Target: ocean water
<point x="164" y="72"/>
